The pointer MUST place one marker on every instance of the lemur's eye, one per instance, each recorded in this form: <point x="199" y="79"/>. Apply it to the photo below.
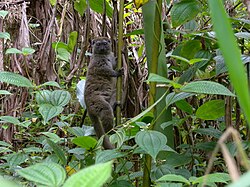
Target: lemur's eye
<point x="105" y="43"/>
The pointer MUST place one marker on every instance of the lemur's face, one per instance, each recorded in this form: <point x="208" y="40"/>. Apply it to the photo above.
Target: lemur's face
<point x="101" y="45"/>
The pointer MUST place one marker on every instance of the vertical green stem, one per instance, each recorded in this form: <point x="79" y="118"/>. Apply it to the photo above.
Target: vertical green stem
<point x="119" y="63"/>
<point x="152" y="92"/>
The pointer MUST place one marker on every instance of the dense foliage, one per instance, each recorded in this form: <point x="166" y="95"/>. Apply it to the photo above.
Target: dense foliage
<point x="186" y="103"/>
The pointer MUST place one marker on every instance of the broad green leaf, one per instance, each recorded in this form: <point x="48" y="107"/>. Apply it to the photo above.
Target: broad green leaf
<point x="151" y="141"/>
<point x="43" y="97"/>
<point x="72" y="41"/>
<point x="206" y="146"/>
<point x="57" y="45"/>
<point x="86" y="142"/>
<point x="7" y="183"/>
<point x="184" y="106"/>
<point x="190" y="48"/>
<point x="51" y="83"/>
<point x="211" y="131"/>
<point x="107" y="155"/>
<point x="63" y="54"/>
<point x="46" y="174"/>
<point x="52" y="136"/>
<point x="97" y="6"/>
<point x="135" y="32"/>
<point x="52" y="2"/>
<point x="243" y="181"/>
<point x="13" y="51"/>
<point x="5" y="92"/>
<point x="173" y="97"/>
<point x="27" y="51"/>
<point x="211" y="110"/>
<point x="3" y="13"/>
<point x="5" y="35"/>
<point x="175" y="159"/>
<point x="33" y="150"/>
<point x="92" y="176"/>
<point x="214" y="177"/>
<point x="10" y="119"/>
<point x="15" y="79"/>
<point x="206" y="87"/>
<point x="58" y="151"/>
<point x="80" y="6"/>
<point x="184" y="11"/>
<point x="25" y="124"/>
<point x="157" y="78"/>
<point x="231" y="54"/>
<point x="49" y="111"/>
<point x="60" y="98"/>
<point x="174" y="178"/>
<point x="15" y="159"/>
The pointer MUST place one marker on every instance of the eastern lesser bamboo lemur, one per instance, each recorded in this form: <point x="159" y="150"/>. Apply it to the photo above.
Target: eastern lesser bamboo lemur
<point x="100" y="88"/>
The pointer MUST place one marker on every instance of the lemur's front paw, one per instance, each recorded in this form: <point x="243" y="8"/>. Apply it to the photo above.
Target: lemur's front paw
<point x="120" y="72"/>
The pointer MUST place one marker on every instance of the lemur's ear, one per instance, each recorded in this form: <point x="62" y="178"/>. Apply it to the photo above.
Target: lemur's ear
<point x="92" y="42"/>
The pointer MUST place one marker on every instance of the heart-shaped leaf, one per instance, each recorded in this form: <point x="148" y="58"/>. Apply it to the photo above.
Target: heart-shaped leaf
<point x="151" y="141"/>
<point x="49" y="111"/>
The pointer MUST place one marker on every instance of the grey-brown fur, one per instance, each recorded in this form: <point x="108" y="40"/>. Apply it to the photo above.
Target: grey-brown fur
<point x="100" y="85"/>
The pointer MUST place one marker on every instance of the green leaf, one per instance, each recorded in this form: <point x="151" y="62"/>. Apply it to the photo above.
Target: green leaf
<point x="211" y="110"/>
<point x="43" y="97"/>
<point x="135" y="32"/>
<point x="86" y="142"/>
<point x="58" y="151"/>
<point x="214" y="177"/>
<point x="3" y="13"/>
<point x="60" y="98"/>
<point x="190" y="48"/>
<point x="72" y="41"/>
<point x="243" y="181"/>
<point x="15" y="79"/>
<point x="47" y="174"/>
<point x="206" y="146"/>
<point x="206" y="87"/>
<point x="63" y="54"/>
<point x="92" y="176"/>
<point x="49" y="111"/>
<point x="10" y="119"/>
<point x="16" y="159"/>
<point x="5" y="92"/>
<point x="57" y="45"/>
<point x="52" y="136"/>
<point x="151" y="141"/>
<point x="175" y="159"/>
<point x="184" y="11"/>
<point x="7" y="183"/>
<point x="13" y="51"/>
<point x="97" y="6"/>
<point x="80" y="6"/>
<point x="5" y="35"/>
<point x="52" y="2"/>
<point x="231" y="54"/>
<point x="157" y="78"/>
<point x="211" y="131"/>
<point x="27" y="51"/>
<point x="184" y="106"/>
<point x="51" y="83"/>
<point x="174" y="178"/>
<point x="107" y="155"/>
<point x="173" y="97"/>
